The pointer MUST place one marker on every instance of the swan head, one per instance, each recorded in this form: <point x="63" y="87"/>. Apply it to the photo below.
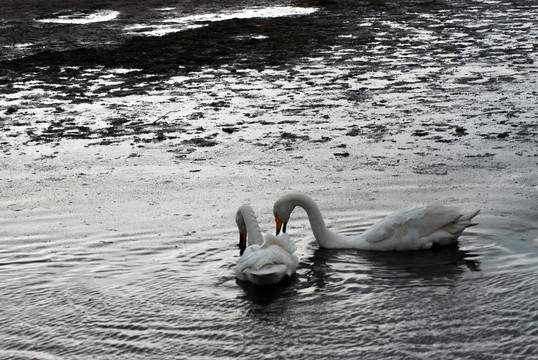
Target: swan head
<point x="282" y="210"/>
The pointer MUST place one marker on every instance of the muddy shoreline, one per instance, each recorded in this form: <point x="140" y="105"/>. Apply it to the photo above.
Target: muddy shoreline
<point x="417" y="89"/>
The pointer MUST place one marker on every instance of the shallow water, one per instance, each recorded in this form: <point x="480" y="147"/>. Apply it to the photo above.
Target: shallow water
<point x="122" y="169"/>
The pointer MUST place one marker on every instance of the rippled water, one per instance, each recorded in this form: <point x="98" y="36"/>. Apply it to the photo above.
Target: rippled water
<point x="68" y="293"/>
<point x="77" y="284"/>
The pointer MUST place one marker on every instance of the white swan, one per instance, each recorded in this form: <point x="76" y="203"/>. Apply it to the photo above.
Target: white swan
<point x="408" y="229"/>
<point x="266" y="260"/>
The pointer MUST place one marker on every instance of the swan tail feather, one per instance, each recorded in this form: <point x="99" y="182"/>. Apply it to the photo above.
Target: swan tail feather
<point x="268" y="275"/>
<point x="269" y="269"/>
<point x="471" y="214"/>
<point x="451" y="231"/>
<point x="462" y="222"/>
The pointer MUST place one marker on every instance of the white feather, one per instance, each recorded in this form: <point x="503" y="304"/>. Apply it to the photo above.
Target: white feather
<point x="266" y="263"/>
<point x="408" y="229"/>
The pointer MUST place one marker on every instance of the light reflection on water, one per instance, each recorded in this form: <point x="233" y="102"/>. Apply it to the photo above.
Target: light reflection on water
<point x="190" y="22"/>
<point x="81" y="18"/>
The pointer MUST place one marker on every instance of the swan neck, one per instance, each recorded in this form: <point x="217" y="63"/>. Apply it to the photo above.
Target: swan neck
<point x="319" y="229"/>
<point x="254" y="235"/>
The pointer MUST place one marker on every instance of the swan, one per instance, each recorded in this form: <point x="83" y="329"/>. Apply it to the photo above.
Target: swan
<point x="267" y="259"/>
<point x="407" y="229"/>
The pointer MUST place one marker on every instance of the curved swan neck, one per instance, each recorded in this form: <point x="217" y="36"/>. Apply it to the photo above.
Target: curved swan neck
<point x="252" y="228"/>
<point x="319" y="229"/>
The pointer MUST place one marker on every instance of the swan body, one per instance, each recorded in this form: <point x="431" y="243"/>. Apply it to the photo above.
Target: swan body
<point x="267" y="259"/>
<point x="408" y="229"/>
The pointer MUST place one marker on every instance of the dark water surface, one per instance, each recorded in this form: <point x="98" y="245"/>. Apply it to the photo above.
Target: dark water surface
<point x="70" y="290"/>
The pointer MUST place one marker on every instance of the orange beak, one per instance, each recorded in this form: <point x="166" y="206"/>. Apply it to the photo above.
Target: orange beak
<point x="242" y="242"/>
<point x="279" y="224"/>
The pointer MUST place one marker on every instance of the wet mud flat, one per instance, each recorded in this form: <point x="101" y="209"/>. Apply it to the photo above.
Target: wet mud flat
<point x="422" y="87"/>
<point x="346" y="88"/>
<point x="420" y="66"/>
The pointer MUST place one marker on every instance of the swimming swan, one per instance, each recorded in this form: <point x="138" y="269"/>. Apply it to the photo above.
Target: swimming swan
<point x="408" y="229"/>
<point x="266" y="260"/>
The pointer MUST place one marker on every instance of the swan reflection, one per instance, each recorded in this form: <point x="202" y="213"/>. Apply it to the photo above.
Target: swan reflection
<point x="389" y="267"/>
<point x="371" y="269"/>
<point x="265" y="295"/>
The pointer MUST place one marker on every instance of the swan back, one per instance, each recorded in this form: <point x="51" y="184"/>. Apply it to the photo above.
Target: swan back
<point x="269" y="263"/>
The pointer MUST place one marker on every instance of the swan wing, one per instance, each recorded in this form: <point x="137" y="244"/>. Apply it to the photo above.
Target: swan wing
<point x="396" y="222"/>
